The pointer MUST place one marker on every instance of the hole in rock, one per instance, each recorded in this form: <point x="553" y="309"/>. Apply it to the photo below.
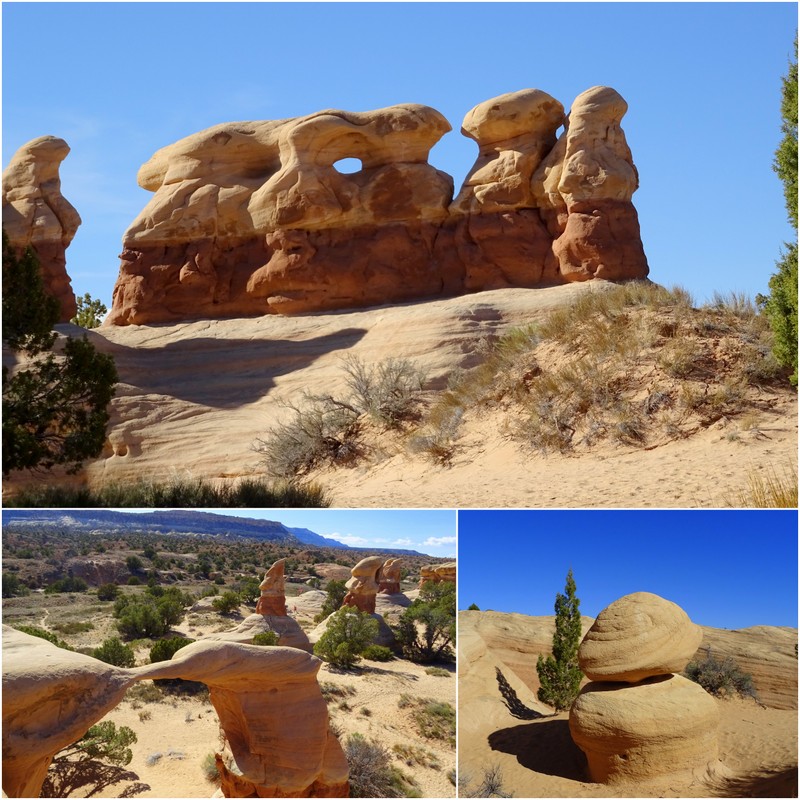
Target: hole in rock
<point x="348" y="166"/>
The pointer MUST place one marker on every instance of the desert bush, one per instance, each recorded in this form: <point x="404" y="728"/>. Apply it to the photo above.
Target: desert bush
<point x="71" y="628"/>
<point x="266" y="639"/>
<point x="769" y="490"/>
<point x="336" y="591"/>
<point x="349" y="632"/>
<point x="377" y="652"/>
<point x="330" y="691"/>
<point x="177" y="493"/>
<point x="437" y="672"/>
<point x="33" y="630"/>
<point x="164" y="649"/>
<point x="491" y="784"/>
<point x="416" y="756"/>
<point x="426" y="630"/>
<point x="559" y="673"/>
<point x="372" y="773"/>
<point x="113" y="651"/>
<point x="66" y="585"/>
<point x="144" y="692"/>
<point x="210" y="769"/>
<point x="108" y="591"/>
<point x="721" y="678"/>
<point x="104" y="742"/>
<point x="147" y="617"/>
<point x="13" y="586"/>
<point x="227" y="602"/>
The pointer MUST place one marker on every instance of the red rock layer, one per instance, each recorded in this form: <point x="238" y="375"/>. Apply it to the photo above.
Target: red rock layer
<point x="271" y="606"/>
<point x="363" y="602"/>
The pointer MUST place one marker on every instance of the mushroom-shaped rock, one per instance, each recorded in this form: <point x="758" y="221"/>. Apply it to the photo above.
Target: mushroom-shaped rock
<point x="272" y="601"/>
<point x="363" y="586"/>
<point x="35" y="213"/>
<point x="446" y="572"/>
<point x="636" y="637"/>
<point x="427" y="574"/>
<point x="389" y="576"/>
<point x="663" y="725"/>
<point x="596" y="181"/>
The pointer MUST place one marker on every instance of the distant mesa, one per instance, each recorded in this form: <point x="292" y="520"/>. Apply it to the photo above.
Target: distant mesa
<point x="36" y="214"/>
<point x="637" y="719"/>
<point x="252" y="218"/>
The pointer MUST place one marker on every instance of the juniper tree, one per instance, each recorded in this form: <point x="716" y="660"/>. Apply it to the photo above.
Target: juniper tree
<point x="781" y="305"/>
<point x="559" y="673"/>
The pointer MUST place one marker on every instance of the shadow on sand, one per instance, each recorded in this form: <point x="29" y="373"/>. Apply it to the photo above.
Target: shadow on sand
<point x="768" y="784"/>
<point x="93" y="778"/>
<point x="544" y="746"/>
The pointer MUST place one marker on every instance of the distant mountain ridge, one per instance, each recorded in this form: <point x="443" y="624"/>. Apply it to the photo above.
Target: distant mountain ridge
<point x="181" y="522"/>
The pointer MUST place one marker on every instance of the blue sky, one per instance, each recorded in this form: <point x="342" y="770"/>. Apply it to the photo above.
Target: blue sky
<point x="726" y="569"/>
<point x="120" y="80"/>
<point x="431" y="532"/>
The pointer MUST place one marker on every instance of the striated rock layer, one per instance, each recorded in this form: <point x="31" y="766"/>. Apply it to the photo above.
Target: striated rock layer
<point x="363" y="586"/>
<point x="659" y="726"/>
<point x="253" y="218"/>
<point x="36" y="214"/>
<point x="269" y="704"/>
<point x="638" y="636"/>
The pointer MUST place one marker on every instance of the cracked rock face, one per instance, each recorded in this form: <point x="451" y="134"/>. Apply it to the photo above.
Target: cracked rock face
<point x="36" y="214"/>
<point x="254" y="218"/>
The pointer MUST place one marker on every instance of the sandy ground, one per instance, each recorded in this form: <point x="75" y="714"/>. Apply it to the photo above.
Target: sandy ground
<point x="537" y="757"/>
<point x="176" y="733"/>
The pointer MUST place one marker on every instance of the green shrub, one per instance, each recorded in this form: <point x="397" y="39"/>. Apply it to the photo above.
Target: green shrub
<point x="227" y="602"/>
<point x="333" y="602"/>
<point x="720" y="678"/>
<point x="73" y="627"/>
<point x="210" y="769"/>
<point x="349" y="632"/>
<point x="113" y="651"/>
<point x="164" y="649"/>
<point x="104" y="742"/>
<point x="13" y="586"/>
<point x="377" y="652"/>
<point x="68" y="584"/>
<point x="433" y="720"/>
<point x="266" y="639"/>
<point x="108" y="591"/>
<point x="426" y="630"/>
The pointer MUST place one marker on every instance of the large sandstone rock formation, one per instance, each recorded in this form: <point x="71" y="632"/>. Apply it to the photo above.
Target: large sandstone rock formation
<point x="389" y="576"/>
<point x="268" y="701"/>
<point x="437" y="573"/>
<point x="273" y="591"/>
<point x="636" y="719"/>
<point x="254" y="218"/>
<point x="35" y="213"/>
<point x="363" y="586"/>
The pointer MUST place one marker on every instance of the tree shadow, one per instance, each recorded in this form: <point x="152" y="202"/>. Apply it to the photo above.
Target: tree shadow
<point x="781" y="783"/>
<point x="514" y="705"/>
<point x="65" y="777"/>
<point x="215" y="372"/>
<point x="545" y="746"/>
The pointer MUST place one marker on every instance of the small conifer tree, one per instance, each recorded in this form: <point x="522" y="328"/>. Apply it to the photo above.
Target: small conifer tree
<point x="559" y="673"/>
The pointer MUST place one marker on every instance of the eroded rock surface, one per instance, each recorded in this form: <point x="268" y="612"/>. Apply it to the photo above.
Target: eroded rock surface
<point x="272" y="601"/>
<point x="659" y="726"/>
<point x="268" y="701"/>
<point x="638" y="636"/>
<point x="253" y="218"/>
<point x="363" y="586"/>
<point x="389" y="576"/>
<point x="35" y="213"/>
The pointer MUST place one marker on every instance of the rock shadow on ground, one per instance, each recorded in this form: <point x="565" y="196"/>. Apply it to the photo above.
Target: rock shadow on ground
<point x="543" y="746"/>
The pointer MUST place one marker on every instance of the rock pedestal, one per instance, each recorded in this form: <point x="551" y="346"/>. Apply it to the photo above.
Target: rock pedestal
<point x="272" y="601"/>
<point x="36" y="214"/>
<point x="389" y="576"/>
<point x="637" y="719"/>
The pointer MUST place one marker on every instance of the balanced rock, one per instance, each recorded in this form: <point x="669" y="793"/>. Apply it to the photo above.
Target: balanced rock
<point x="363" y="586"/>
<point x="389" y="576"/>
<point x="36" y="214"/>
<point x="251" y="218"/>
<point x="662" y="725"/>
<point x="636" y="637"/>
<point x="272" y="601"/>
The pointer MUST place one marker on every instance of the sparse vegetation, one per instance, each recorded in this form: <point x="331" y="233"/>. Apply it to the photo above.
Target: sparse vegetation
<point x="210" y="769"/>
<point x="326" y="429"/>
<point x="415" y="756"/>
<point x="559" y="673"/>
<point x="33" y="630"/>
<point x="266" y="639"/>
<point x="372" y="773"/>
<point x="433" y="720"/>
<point x="177" y="493"/>
<point x="491" y="784"/>
<point x="227" y="602"/>
<point x="164" y="649"/>
<point x="769" y="490"/>
<point x="721" y="678"/>
<point x="377" y="652"/>
<point x="437" y="672"/>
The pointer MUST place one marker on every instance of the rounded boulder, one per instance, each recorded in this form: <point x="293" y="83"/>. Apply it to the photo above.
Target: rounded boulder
<point x="638" y="636"/>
